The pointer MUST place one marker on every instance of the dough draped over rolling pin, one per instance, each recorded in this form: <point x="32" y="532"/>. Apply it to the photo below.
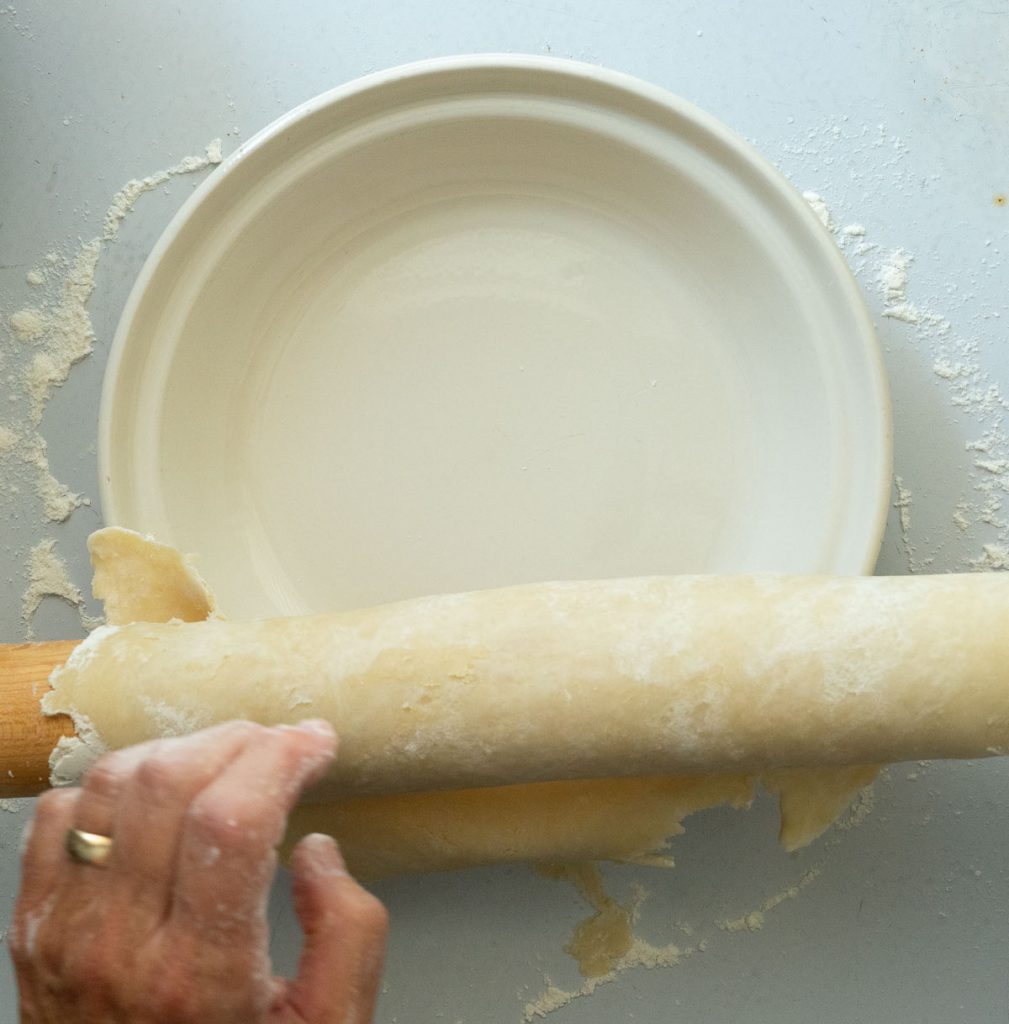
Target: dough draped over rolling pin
<point x="498" y="691"/>
<point x="650" y="676"/>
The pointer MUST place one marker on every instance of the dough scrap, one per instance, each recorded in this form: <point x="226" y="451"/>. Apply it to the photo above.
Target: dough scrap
<point x="472" y="723"/>
<point x="140" y="580"/>
<point x="812" y="799"/>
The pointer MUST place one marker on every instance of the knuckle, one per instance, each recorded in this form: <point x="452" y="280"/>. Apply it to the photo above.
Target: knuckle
<point x="247" y="727"/>
<point x="100" y="962"/>
<point x="90" y="969"/>
<point x="158" y="777"/>
<point x="54" y="803"/>
<point x="49" y="952"/>
<point x="105" y="777"/>
<point x="241" y="728"/>
<point x="233" y="729"/>
<point x="172" y="998"/>
<point x="215" y="823"/>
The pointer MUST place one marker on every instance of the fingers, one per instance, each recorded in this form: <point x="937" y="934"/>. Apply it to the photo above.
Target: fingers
<point x="102" y="788"/>
<point x="45" y="862"/>
<point x="95" y="811"/>
<point x="193" y="824"/>
<point x="153" y="804"/>
<point x="138" y="796"/>
<point x="229" y="834"/>
<point x="345" y="929"/>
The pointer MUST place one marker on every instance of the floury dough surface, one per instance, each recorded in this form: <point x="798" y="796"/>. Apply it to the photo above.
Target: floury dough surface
<point x="488" y="726"/>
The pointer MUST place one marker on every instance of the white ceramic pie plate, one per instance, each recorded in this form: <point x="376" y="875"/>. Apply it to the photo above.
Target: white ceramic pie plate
<point x="487" y="320"/>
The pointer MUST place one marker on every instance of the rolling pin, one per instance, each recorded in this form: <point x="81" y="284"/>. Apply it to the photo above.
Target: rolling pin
<point x="27" y="737"/>
<point x="554" y="681"/>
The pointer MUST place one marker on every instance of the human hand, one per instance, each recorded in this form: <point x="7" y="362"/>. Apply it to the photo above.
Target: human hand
<point x="172" y="930"/>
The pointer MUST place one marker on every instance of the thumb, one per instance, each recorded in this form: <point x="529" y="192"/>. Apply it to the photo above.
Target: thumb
<point x="345" y="928"/>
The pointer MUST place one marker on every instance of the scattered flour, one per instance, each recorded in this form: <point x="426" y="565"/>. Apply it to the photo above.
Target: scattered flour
<point x="48" y="577"/>
<point x="29" y="324"/>
<point x="68" y="336"/>
<point x="903" y="506"/>
<point x="819" y="207"/>
<point x="49" y="336"/>
<point x="792" y="892"/>
<point x="552" y="998"/>
<point x="861" y="807"/>
<point x="956" y="357"/>
<point x="993" y="556"/>
<point x="12" y="806"/>
<point x="641" y="955"/>
<point x="58" y="501"/>
<point x="751" y="922"/>
<point x="126" y="198"/>
<point x="893" y="275"/>
<point x="644" y="955"/>
<point x="754" y="920"/>
<point x="902" y="503"/>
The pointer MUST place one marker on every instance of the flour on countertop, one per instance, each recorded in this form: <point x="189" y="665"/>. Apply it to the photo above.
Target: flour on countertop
<point x="861" y="807"/>
<point x="893" y="273"/>
<point x="960" y="514"/>
<point x="126" y="198"/>
<point x="751" y="922"/>
<point x="47" y="336"/>
<point x="954" y="355"/>
<point x="641" y="955"/>
<point x="644" y="955"/>
<point x="993" y="556"/>
<point x="48" y="577"/>
<point x="754" y="920"/>
<point x="68" y="335"/>
<point x="902" y="503"/>
<point x="903" y="506"/>
<point x="819" y="207"/>
<point x="58" y="501"/>
<point x="29" y="324"/>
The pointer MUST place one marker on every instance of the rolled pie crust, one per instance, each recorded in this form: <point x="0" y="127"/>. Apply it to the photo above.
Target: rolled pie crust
<point x="577" y="720"/>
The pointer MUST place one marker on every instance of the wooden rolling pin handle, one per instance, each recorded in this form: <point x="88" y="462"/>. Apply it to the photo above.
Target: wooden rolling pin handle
<point x="27" y="737"/>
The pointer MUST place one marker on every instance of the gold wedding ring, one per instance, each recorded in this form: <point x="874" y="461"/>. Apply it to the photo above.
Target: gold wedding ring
<point x="88" y="847"/>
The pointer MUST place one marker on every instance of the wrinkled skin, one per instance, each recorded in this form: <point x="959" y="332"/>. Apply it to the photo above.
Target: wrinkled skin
<point x="173" y="929"/>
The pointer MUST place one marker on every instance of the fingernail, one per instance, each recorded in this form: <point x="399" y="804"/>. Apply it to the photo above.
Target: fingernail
<point x="319" y="726"/>
<point x="326" y="847"/>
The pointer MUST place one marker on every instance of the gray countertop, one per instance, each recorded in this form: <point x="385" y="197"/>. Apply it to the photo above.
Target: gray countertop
<point x="896" y="115"/>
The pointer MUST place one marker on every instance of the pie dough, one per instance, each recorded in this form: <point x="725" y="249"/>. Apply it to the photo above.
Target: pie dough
<point x="139" y="580"/>
<point x="561" y="720"/>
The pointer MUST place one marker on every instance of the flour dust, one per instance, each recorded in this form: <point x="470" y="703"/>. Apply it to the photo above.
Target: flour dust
<point x="48" y="330"/>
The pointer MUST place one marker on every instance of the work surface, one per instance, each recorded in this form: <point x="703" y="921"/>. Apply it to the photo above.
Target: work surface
<point x="895" y="115"/>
